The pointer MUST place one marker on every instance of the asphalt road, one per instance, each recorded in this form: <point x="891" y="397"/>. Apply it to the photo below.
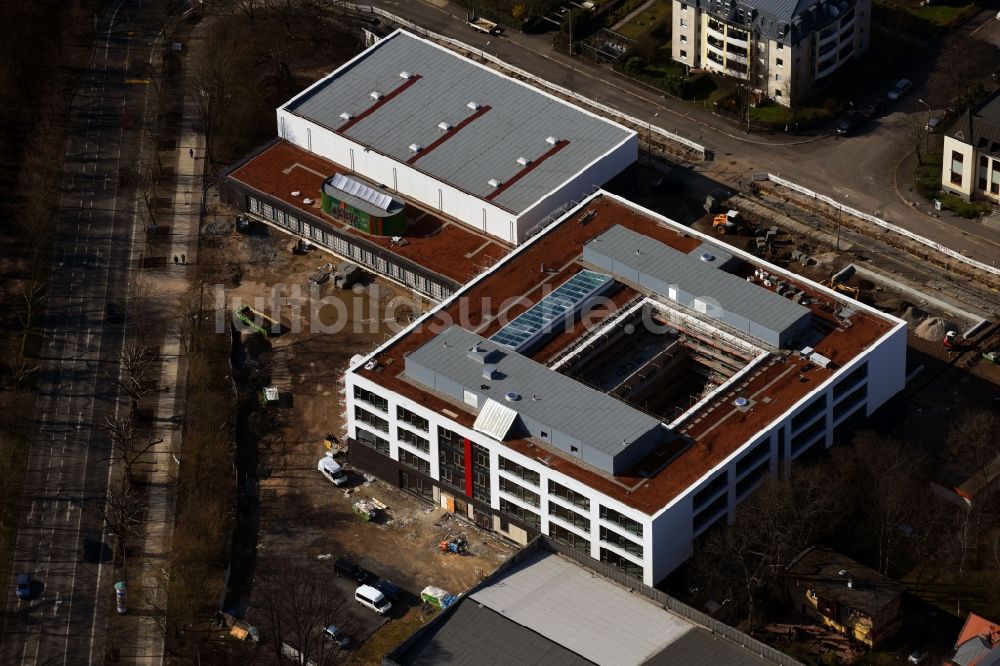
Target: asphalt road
<point x="69" y="462"/>
<point x="859" y="170"/>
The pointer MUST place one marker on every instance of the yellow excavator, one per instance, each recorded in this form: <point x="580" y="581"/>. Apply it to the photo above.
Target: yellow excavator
<point x="853" y="292"/>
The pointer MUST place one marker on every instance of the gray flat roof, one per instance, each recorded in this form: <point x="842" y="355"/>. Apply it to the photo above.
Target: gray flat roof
<point x="519" y="120"/>
<point x="474" y="634"/>
<point x="562" y="404"/>
<point x="569" y="605"/>
<point x="653" y="265"/>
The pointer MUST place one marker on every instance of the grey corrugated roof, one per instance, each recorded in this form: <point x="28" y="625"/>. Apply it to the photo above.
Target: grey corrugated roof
<point x="699" y="647"/>
<point x="632" y="251"/>
<point x="517" y="125"/>
<point x="563" y="404"/>
<point x="569" y="605"/>
<point x="473" y="634"/>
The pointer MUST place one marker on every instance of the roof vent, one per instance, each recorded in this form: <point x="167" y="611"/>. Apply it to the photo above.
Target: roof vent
<point x="346" y="116"/>
<point x="494" y="182"/>
<point x="551" y="140"/>
<point x="511" y="396"/>
<point x="375" y="95"/>
<point x="741" y="402"/>
<point x="444" y="126"/>
<point x="489" y="371"/>
<point x="405" y="75"/>
<point x="473" y="106"/>
<point x="523" y="161"/>
<point x="415" y="148"/>
<point x="707" y="257"/>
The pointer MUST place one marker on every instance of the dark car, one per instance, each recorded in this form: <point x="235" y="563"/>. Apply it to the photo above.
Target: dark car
<point x="92" y="550"/>
<point x="389" y="589"/>
<point x="347" y="569"/>
<point x="23" y="586"/>
<point x="335" y="635"/>
<point x="849" y="124"/>
<point x="873" y="110"/>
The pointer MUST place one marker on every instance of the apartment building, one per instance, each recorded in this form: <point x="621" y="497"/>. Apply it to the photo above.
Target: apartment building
<point x="783" y="47"/>
<point x="971" y="165"/>
<point x="619" y="383"/>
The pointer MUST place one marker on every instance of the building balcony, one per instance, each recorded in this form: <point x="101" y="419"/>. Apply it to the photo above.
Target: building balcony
<point x="716" y="30"/>
<point x="847" y="27"/>
<point x="826" y="68"/>
<point x="740" y="43"/>
<point x="737" y="58"/>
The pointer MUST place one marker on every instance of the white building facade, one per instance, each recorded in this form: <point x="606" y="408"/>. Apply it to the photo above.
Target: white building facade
<point x="430" y="453"/>
<point x="782" y="49"/>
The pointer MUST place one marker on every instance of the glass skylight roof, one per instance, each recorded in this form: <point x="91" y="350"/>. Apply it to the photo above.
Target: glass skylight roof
<point x="362" y="191"/>
<point x="566" y="299"/>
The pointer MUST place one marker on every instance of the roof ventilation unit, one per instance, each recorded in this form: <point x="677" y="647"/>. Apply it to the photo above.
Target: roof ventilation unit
<point x="741" y="404"/>
<point x="707" y="257"/>
<point x="489" y="371"/>
<point x="415" y="148"/>
<point x="511" y="396"/>
<point x="523" y="161"/>
<point x="494" y="182"/>
<point x="375" y="95"/>
<point x="473" y="106"/>
<point x="346" y="116"/>
<point x="405" y="75"/>
<point x="444" y="126"/>
<point x="551" y="140"/>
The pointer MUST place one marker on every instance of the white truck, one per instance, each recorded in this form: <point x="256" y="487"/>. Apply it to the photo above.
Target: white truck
<point x="483" y="25"/>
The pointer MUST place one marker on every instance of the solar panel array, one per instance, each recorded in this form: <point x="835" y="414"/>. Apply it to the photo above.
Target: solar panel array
<point x="361" y="191"/>
<point x="570" y="294"/>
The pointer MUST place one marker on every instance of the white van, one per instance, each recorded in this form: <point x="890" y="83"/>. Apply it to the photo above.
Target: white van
<point x="366" y="595"/>
<point x="332" y="470"/>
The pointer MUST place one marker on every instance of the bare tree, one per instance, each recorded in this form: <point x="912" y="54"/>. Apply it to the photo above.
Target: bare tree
<point x="135" y="361"/>
<point x="129" y="446"/>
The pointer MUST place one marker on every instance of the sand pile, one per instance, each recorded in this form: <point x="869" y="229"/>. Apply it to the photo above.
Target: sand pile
<point x="934" y="328"/>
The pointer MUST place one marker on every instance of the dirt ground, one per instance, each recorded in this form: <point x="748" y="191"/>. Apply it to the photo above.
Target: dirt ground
<point x="304" y="519"/>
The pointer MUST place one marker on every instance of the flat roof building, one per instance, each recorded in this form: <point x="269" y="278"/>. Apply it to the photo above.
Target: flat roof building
<point x="579" y="389"/>
<point x="553" y="610"/>
<point x="456" y="136"/>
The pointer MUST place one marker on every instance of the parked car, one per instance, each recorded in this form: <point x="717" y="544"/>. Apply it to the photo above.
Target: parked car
<point x="932" y="124"/>
<point x="389" y="589"/>
<point x="368" y="596"/>
<point x="873" y="110"/>
<point x="332" y="470"/>
<point x="849" y="124"/>
<point x="335" y="635"/>
<point x="901" y="88"/>
<point x="347" y="569"/>
<point x="23" y="586"/>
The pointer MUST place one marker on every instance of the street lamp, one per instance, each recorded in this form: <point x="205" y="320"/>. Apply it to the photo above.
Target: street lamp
<point x="927" y="148"/>
<point x="840" y="212"/>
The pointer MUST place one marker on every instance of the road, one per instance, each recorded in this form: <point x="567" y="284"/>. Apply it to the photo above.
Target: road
<point x="861" y="170"/>
<point x="69" y="462"/>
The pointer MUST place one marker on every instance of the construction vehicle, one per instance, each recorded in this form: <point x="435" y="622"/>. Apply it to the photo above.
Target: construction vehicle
<point x="258" y="321"/>
<point x="993" y="356"/>
<point x="733" y="223"/>
<point x="841" y="288"/>
<point x="457" y="545"/>
<point x="483" y="25"/>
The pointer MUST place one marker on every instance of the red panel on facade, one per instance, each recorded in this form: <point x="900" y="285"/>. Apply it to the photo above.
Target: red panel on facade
<point x="468" y="466"/>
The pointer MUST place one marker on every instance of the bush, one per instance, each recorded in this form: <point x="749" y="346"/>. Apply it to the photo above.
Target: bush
<point x="967" y="209"/>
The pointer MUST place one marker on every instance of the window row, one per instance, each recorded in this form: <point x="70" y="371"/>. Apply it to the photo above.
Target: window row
<point x="524" y="473"/>
<point x="366" y="417"/>
<point x="414" y="461"/>
<point x="571" y="517"/>
<point x="626" y="544"/>
<point x="369" y="438"/>
<point x="414" y="440"/>
<point x="521" y="493"/>
<point x="571" y="496"/>
<point x="571" y="539"/>
<point x="411" y="419"/>
<point x="373" y="399"/>
<point x="521" y="514"/>
<point x="623" y="521"/>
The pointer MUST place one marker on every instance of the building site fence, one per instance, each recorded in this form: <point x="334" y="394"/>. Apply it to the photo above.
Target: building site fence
<point x="517" y="72"/>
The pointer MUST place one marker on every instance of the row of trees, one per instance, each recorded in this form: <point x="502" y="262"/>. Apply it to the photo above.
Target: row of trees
<point x="869" y="499"/>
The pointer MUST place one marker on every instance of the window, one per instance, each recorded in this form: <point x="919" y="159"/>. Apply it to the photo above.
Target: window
<point x="684" y="54"/>
<point x="523" y="494"/>
<point x="684" y="39"/>
<point x="995" y="181"/>
<point x="956" y="167"/>
<point x="571" y="517"/>
<point x="414" y="461"/>
<point x="984" y="170"/>
<point x="368" y="418"/>
<point x="570" y="496"/>
<point x="451" y="458"/>
<point x="621" y="520"/>
<point x="777" y="77"/>
<point x="779" y="62"/>
<point x="626" y="544"/>
<point x="619" y="562"/>
<point x="571" y="539"/>
<point x="523" y="515"/>
<point x="850" y="381"/>
<point x="480" y="472"/>
<point x="684" y="23"/>
<point x="376" y="401"/>
<point x="761" y="451"/>
<point x="371" y="439"/>
<point x="409" y="418"/>
<point x="809" y="413"/>
<point x="684" y="7"/>
<point x="524" y="473"/>
<point x="713" y="488"/>
<point x="416" y="441"/>
<point x="781" y="46"/>
<point x="777" y="93"/>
